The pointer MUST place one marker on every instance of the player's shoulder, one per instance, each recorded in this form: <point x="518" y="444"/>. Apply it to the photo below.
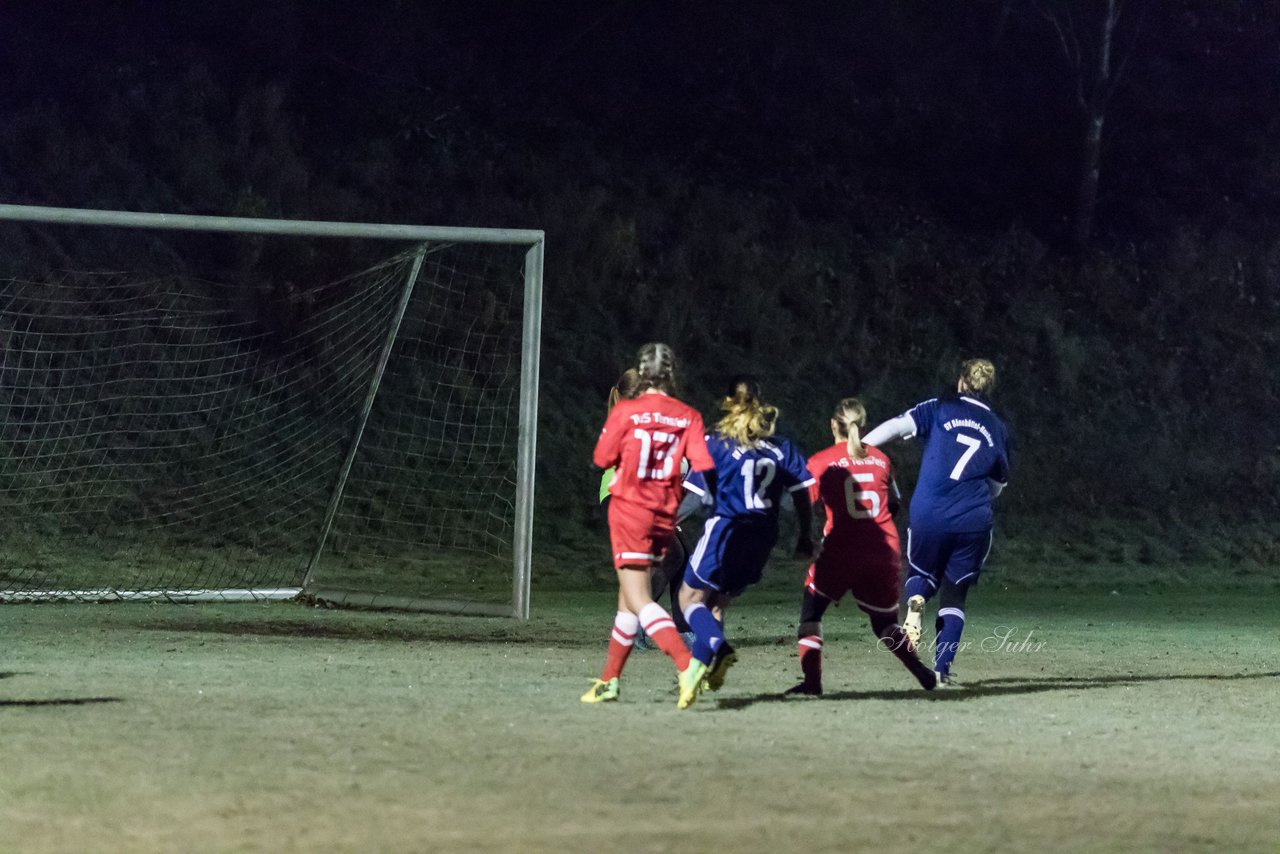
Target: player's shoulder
<point x="926" y="410"/>
<point x="674" y="406"/>
<point x="625" y="405"/>
<point x="874" y="453"/>
<point x="981" y="408"/>
<point x="720" y="444"/>
<point x="827" y="456"/>
<point x="779" y="447"/>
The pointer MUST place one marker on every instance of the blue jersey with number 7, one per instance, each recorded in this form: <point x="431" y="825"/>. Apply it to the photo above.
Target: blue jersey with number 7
<point x="965" y="457"/>
<point x="750" y="480"/>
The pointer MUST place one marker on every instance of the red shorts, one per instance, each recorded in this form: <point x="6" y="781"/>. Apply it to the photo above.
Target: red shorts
<point x="639" y="536"/>
<point x="872" y="577"/>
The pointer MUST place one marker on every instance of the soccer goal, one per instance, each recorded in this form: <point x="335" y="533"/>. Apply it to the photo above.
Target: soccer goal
<point x="223" y="408"/>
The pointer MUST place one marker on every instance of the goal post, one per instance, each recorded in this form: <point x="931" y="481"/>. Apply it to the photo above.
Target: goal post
<point x="258" y="415"/>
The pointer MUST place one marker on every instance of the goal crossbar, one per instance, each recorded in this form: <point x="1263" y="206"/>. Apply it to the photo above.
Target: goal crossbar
<point x="251" y="225"/>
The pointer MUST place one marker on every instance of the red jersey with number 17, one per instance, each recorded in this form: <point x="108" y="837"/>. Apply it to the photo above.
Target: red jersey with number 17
<point x="646" y="438"/>
<point x="856" y="493"/>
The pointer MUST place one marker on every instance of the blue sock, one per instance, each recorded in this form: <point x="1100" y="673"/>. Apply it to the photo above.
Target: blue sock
<point x="950" y="624"/>
<point x="709" y="632"/>
<point x="918" y="585"/>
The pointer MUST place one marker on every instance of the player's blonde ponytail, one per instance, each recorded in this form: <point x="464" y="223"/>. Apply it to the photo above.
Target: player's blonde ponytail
<point x="978" y="376"/>
<point x="850" y="417"/>
<point x="747" y="419"/>
<point x="656" y="368"/>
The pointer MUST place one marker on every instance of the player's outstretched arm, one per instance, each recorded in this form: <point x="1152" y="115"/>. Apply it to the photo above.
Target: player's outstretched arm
<point x="901" y="427"/>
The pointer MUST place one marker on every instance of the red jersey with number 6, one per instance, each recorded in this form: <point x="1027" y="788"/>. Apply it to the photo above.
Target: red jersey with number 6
<point x="646" y="438"/>
<point x="856" y="493"/>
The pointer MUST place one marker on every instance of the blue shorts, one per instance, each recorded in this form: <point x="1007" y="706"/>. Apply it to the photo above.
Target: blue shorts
<point x="935" y="555"/>
<point x="731" y="554"/>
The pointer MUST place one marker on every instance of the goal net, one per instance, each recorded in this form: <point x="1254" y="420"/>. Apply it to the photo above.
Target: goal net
<point x="227" y="408"/>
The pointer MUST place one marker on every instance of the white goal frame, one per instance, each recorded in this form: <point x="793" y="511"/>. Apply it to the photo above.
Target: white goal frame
<point x="533" y="240"/>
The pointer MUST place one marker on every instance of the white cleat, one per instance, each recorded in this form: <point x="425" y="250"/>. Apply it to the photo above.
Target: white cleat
<point x="913" y="625"/>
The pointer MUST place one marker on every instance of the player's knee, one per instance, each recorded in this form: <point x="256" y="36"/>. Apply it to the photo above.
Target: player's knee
<point x="810" y="629"/>
<point x="690" y="596"/>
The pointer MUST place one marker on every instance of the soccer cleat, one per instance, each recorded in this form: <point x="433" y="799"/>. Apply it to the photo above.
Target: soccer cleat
<point x="912" y="626"/>
<point x="944" y="679"/>
<point x="691" y="683"/>
<point x="804" y="689"/>
<point x="720" y="668"/>
<point x="602" y="691"/>
<point x="643" y="643"/>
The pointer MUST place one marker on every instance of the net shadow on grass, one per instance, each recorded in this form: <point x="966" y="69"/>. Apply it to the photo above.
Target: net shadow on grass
<point x="60" y="701"/>
<point x="991" y="688"/>
<point x="65" y="701"/>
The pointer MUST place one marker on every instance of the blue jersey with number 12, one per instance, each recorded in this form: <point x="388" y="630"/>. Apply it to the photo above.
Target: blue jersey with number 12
<point x="966" y="446"/>
<point x="750" y="480"/>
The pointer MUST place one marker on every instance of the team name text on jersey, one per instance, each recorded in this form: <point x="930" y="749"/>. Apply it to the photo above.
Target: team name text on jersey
<point x="659" y="418"/>
<point x="972" y="425"/>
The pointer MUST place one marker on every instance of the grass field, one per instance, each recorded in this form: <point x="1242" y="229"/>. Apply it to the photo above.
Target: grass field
<point x="1105" y="723"/>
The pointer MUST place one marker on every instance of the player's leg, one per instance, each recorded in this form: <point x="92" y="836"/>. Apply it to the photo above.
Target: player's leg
<point x="666" y="579"/>
<point x="639" y="540"/>
<point x="950" y="626"/>
<point x="680" y="550"/>
<point x="745" y="553"/>
<point x="809" y="642"/>
<point x="708" y="636"/>
<point x="874" y="587"/>
<point x="965" y="563"/>
<point x="926" y="559"/>
<point x="725" y="655"/>
<point x="893" y="638"/>
<point x="621" y="641"/>
<point x="828" y="579"/>
<point x="654" y="619"/>
<point x="708" y="632"/>
<point x="702" y="581"/>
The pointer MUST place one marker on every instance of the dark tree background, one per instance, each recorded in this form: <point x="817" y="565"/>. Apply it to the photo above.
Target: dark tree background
<point x="843" y="197"/>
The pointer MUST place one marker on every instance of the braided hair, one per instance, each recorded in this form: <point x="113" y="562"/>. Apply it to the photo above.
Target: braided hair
<point x="978" y="376"/>
<point x="656" y="365"/>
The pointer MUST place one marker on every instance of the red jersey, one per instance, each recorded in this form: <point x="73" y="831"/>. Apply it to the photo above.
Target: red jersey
<point x="856" y="493"/>
<point x="646" y="438"/>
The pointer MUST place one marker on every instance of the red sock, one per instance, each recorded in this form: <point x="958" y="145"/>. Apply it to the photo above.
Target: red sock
<point x="621" y="640"/>
<point x="811" y="659"/>
<point x="659" y="626"/>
